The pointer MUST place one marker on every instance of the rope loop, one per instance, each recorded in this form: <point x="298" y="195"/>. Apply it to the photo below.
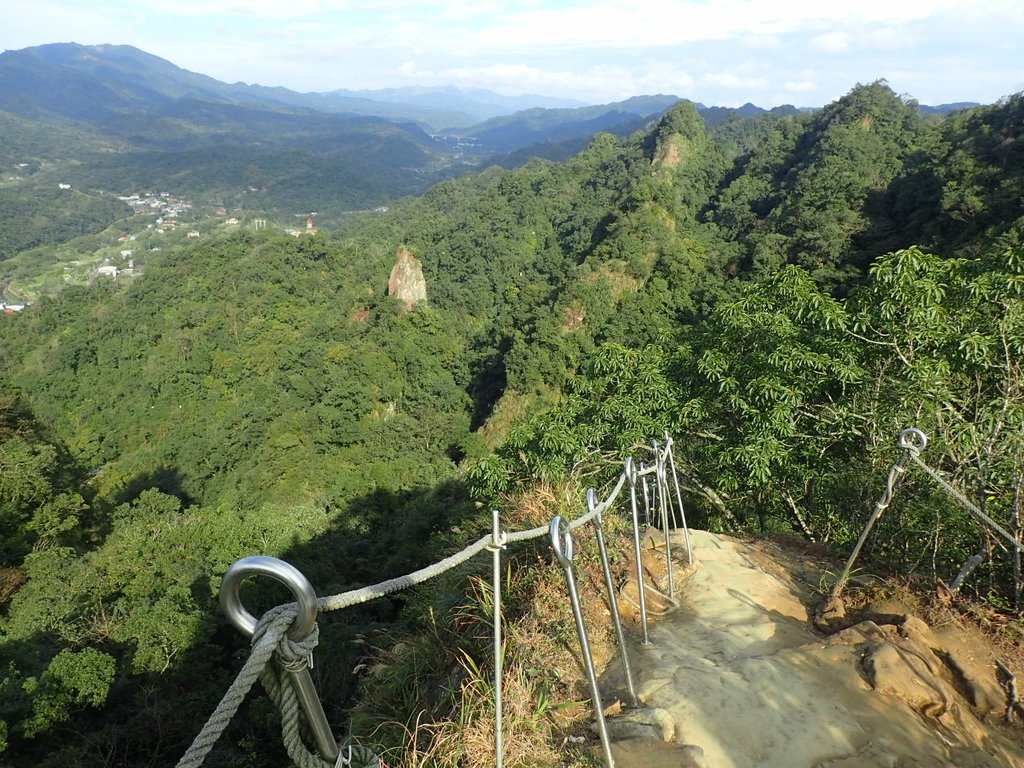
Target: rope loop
<point x="501" y="544"/>
<point x="268" y="633"/>
<point x="295" y="653"/>
<point x="271" y="617"/>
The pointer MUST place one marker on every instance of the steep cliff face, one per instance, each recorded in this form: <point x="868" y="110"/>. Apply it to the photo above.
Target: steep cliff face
<point x="406" y="281"/>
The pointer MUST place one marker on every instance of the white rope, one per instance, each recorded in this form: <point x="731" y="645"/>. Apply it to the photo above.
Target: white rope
<point x="364" y="594"/>
<point x="218" y="721"/>
<point x="277" y="620"/>
<point x="294" y="655"/>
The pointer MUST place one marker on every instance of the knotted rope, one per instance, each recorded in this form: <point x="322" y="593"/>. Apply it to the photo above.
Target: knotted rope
<point x="263" y="648"/>
<point x="271" y="634"/>
<point x="294" y="655"/>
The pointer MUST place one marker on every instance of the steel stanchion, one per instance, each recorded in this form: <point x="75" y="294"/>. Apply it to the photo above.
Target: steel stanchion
<point x="613" y="602"/>
<point x="631" y="477"/>
<point x="561" y="542"/>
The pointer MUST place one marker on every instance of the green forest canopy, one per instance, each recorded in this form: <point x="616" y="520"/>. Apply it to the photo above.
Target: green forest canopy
<point x="785" y="292"/>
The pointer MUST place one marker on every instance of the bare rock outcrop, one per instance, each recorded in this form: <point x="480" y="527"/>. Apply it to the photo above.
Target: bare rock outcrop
<point x="747" y="683"/>
<point x="406" y="281"/>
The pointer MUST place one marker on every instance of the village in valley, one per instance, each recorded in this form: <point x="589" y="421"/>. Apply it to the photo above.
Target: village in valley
<point x="155" y="220"/>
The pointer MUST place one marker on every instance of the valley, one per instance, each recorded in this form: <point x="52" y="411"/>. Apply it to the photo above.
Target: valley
<point x="211" y="360"/>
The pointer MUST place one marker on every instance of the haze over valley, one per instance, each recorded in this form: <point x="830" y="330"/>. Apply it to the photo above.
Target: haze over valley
<point x="339" y="326"/>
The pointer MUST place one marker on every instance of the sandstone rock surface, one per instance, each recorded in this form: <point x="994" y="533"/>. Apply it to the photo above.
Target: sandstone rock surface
<point x="748" y="682"/>
<point x="406" y="282"/>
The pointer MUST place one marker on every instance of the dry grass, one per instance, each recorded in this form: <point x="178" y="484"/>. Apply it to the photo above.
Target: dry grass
<point x="512" y="408"/>
<point x="614" y="271"/>
<point x="447" y="718"/>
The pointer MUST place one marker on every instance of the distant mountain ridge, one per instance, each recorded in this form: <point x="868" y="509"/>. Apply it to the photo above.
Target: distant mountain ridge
<point x="508" y="133"/>
<point x="116" y="119"/>
<point x="101" y="83"/>
<point x="479" y="103"/>
<point x="59" y="77"/>
<point x="150" y="102"/>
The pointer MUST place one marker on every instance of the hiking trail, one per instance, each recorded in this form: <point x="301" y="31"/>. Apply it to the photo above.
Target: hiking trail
<point x="738" y="676"/>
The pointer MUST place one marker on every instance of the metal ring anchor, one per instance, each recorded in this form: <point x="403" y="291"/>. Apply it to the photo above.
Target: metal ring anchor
<point x="305" y="621"/>
<point x="913" y="439"/>
<point x="630" y="470"/>
<point x="561" y="541"/>
<point x="592" y="505"/>
<point x="279" y="570"/>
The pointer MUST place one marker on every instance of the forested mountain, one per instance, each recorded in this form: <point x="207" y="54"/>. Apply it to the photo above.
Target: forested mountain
<point x="782" y="292"/>
<point x="89" y="82"/>
<point x="114" y="121"/>
<point x="103" y="122"/>
<point x="109" y="121"/>
<point x="534" y="126"/>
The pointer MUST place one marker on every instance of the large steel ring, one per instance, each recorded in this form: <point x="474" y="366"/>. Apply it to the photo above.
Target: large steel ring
<point x="913" y="439"/>
<point x="287" y="574"/>
<point x="630" y="469"/>
<point x="561" y="540"/>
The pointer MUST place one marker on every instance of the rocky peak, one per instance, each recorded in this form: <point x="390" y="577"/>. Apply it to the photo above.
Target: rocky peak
<point x="406" y="281"/>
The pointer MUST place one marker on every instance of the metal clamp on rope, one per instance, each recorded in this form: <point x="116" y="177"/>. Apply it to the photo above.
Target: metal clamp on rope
<point x="355" y="756"/>
<point x="305" y="621"/>
<point x="498" y="543"/>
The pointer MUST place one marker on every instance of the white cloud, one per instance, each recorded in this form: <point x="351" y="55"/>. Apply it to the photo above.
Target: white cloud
<point x="410" y="70"/>
<point x="262" y="9"/>
<point x="880" y="38"/>
<point x="733" y="81"/>
<point x="887" y="38"/>
<point x="831" y="42"/>
<point x="799" y="86"/>
<point x="470" y="9"/>
<point x="619" y="24"/>
<point x="807" y="50"/>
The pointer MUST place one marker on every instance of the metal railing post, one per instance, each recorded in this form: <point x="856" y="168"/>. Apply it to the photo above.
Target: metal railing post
<point x="912" y="440"/>
<point x="669" y="442"/>
<point x="245" y="622"/>
<point x="631" y="478"/>
<point x="613" y="602"/>
<point x="662" y="494"/>
<point x="642" y="474"/>
<point x="561" y="543"/>
<point x="302" y="629"/>
<point x="497" y="544"/>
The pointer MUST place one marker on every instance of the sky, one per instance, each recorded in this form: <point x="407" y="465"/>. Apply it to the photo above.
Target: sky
<point x="718" y="52"/>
